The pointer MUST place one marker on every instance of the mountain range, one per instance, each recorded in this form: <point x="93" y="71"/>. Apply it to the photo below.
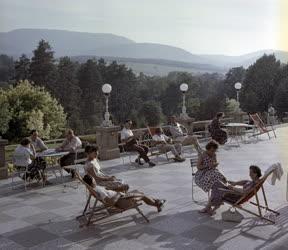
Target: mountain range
<point x="149" y="58"/>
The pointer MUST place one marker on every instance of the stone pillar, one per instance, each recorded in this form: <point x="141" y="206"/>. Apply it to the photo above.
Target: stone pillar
<point x="107" y="141"/>
<point x="3" y="165"/>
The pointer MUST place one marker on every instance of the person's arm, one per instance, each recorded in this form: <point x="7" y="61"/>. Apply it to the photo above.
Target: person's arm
<point x="93" y="173"/>
<point x="42" y="145"/>
<point x="200" y="163"/>
<point x="235" y="189"/>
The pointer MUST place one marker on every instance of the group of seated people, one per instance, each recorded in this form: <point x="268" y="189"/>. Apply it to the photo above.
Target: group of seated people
<point x="163" y="142"/>
<point x="28" y="155"/>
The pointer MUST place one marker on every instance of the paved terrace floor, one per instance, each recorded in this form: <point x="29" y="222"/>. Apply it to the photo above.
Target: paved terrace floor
<point x="44" y="218"/>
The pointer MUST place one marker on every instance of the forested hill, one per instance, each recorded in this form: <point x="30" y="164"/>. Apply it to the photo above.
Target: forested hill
<point x="151" y="58"/>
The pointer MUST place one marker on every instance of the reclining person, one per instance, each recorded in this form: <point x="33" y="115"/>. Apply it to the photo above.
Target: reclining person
<point x="218" y="196"/>
<point x="164" y="144"/>
<point x="123" y="200"/>
<point x="181" y="136"/>
<point x="93" y="169"/>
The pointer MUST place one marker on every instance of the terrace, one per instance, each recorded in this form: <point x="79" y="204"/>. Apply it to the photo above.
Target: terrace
<point x="44" y="218"/>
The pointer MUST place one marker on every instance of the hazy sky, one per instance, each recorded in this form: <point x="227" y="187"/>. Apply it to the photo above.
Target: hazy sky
<point x="200" y="26"/>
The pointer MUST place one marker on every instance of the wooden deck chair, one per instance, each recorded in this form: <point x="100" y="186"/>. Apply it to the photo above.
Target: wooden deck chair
<point x="247" y="197"/>
<point x="261" y="126"/>
<point x="98" y="213"/>
<point x="152" y="145"/>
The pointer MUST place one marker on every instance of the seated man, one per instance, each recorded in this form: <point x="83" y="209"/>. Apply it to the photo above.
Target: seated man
<point x="36" y="141"/>
<point x="24" y="156"/>
<point x="164" y="144"/>
<point x="122" y="200"/>
<point x="131" y="144"/>
<point x="92" y="168"/>
<point x="181" y="136"/>
<point x="70" y="144"/>
<point x="217" y="133"/>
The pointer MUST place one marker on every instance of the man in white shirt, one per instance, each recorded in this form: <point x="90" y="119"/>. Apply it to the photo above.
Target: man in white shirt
<point x="131" y="144"/>
<point x="70" y="144"/>
<point x="181" y="136"/>
<point x="38" y="144"/>
<point x="164" y="144"/>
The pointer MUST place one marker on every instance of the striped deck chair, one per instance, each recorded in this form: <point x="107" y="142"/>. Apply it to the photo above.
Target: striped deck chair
<point x="248" y="196"/>
<point x="261" y="126"/>
<point x="97" y="213"/>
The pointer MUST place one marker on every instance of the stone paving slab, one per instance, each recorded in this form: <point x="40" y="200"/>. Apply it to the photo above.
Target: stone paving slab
<point x="44" y="218"/>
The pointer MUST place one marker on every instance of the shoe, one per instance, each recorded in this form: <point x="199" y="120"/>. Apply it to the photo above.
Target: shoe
<point x="179" y="159"/>
<point x="138" y="161"/>
<point x="151" y="164"/>
<point x="160" y="205"/>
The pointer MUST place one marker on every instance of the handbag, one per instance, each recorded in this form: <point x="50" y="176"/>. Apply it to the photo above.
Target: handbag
<point x="232" y="216"/>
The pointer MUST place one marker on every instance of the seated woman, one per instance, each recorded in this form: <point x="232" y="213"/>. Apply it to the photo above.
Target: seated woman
<point x="218" y="195"/>
<point x="24" y="157"/>
<point x="123" y="200"/>
<point x="93" y="169"/>
<point x="217" y="133"/>
<point x="208" y="174"/>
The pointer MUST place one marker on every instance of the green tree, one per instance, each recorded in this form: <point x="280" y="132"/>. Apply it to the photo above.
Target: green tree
<point x="260" y="82"/>
<point x="234" y="75"/>
<point x="33" y="108"/>
<point x="22" y="68"/>
<point x="281" y="98"/>
<point x="90" y="81"/>
<point x="152" y="113"/>
<point x="68" y="91"/>
<point x="42" y="68"/>
<point x="5" y="112"/>
<point x="6" y="68"/>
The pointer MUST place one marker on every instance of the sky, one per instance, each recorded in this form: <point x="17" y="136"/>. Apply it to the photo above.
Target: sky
<point x="230" y="27"/>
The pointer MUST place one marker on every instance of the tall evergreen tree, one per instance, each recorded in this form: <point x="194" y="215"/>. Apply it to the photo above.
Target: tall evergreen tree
<point x="42" y="68"/>
<point x="90" y="82"/>
<point x="22" y="68"/>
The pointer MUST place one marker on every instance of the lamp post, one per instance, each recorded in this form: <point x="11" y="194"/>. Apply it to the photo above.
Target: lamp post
<point x="184" y="89"/>
<point x="106" y="89"/>
<point x="238" y="86"/>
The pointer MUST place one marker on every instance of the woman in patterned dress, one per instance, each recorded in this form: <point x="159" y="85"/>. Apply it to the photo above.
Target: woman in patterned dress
<point x="217" y="133"/>
<point x="208" y="174"/>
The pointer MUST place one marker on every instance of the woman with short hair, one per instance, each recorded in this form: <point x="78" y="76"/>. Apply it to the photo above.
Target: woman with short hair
<point x="217" y="133"/>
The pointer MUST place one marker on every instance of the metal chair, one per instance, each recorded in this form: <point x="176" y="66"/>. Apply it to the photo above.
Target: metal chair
<point x="18" y="170"/>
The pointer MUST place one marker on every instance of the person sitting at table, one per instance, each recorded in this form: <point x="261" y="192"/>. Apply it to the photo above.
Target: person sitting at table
<point x="178" y="135"/>
<point x="123" y="200"/>
<point x="36" y="141"/>
<point x="217" y="133"/>
<point x="24" y="157"/>
<point x="218" y="193"/>
<point x="131" y="144"/>
<point x="70" y="144"/>
<point x="207" y="173"/>
<point x="93" y="169"/>
<point x="165" y="144"/>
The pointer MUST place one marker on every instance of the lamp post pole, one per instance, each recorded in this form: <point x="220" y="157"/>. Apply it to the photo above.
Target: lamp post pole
<point x="184" y="89"/>
<point x="106" y="89"/>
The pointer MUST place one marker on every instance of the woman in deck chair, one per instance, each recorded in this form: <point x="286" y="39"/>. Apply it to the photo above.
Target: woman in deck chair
<point x="218" y="194"/>
<point x="93" y="169"/>
<point x="123" y="200"/>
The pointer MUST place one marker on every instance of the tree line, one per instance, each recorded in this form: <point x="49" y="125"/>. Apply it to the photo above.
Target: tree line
<point x="145" y="99"/>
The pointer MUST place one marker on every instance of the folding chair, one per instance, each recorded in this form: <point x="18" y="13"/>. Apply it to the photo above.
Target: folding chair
<point x="260" y="125"/>
<point x="95" y="214"/>
<point x="193" y="165"/>
<point x="152" y="145"/>
<point x="245" y="198"/>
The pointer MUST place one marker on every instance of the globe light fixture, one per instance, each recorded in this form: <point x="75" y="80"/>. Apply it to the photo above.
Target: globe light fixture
<point x="238" y="86"/>
<point x="106" y="89"/>
<point x="184" y="89"/>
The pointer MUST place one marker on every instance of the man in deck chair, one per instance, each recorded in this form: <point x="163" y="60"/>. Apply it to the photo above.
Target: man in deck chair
<point x="218" y="195"/>
<point x="123" y="200"/>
